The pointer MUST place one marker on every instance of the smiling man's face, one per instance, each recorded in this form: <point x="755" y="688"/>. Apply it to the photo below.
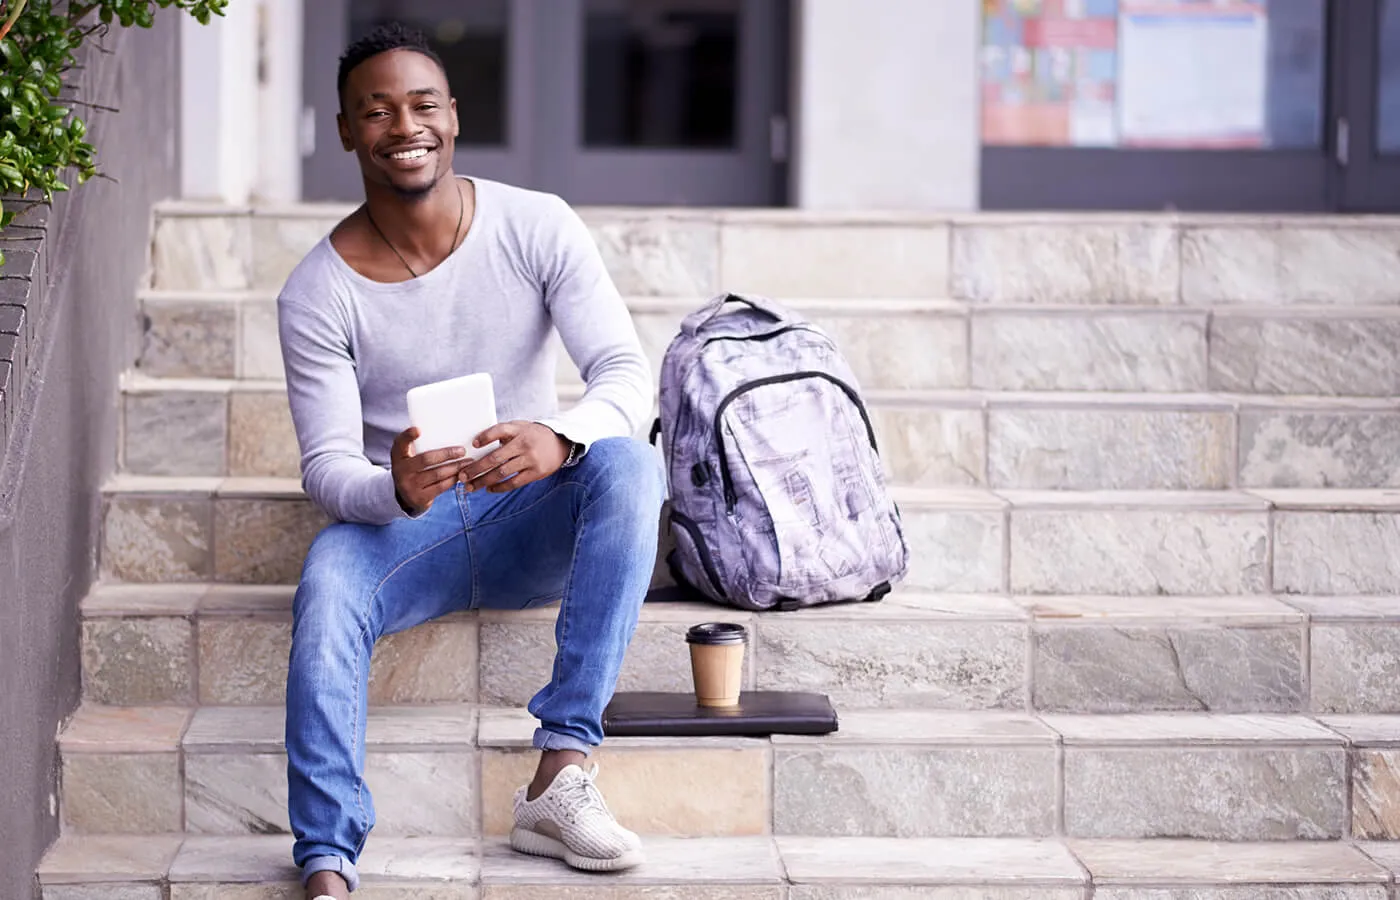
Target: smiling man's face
<point x="400" y="121"/>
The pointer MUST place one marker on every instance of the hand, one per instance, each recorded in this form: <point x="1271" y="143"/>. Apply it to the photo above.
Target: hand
<point x="416" y="482"/>
<point x="529" y="451"/>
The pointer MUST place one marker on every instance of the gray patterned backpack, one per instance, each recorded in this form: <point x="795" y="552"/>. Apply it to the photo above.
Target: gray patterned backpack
<point x="778" y="498"/>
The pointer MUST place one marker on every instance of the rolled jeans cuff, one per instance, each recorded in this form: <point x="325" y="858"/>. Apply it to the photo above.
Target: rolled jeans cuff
<point x="331" y="864"/>
<point x="553" y="740"/>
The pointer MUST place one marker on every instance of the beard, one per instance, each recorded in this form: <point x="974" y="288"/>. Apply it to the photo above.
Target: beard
<point x="414" y="192"/>
<point x="417" y="192"/>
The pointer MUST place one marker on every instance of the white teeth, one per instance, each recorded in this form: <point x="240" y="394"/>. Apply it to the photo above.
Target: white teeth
<point x="410" y="154"/>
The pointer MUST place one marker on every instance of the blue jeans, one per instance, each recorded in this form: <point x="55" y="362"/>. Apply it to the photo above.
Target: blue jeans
<point x="586" y="535"/>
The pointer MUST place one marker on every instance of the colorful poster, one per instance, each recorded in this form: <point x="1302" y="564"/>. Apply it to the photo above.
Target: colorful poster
<point x="1126" y="73"/>
<point x="1194" y="73"/>
<point x="1049" y="72"/>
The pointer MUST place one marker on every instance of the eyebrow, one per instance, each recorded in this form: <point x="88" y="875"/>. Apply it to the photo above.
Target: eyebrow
<point x="416" y="92"/>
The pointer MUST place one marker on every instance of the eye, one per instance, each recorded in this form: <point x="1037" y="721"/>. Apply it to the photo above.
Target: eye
<point x="427" y="107"/>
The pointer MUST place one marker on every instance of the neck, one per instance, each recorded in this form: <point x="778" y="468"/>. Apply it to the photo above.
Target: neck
<point x="422" y="225"/>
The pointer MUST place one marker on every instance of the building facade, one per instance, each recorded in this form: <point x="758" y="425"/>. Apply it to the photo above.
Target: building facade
<point x="942" y="105"/>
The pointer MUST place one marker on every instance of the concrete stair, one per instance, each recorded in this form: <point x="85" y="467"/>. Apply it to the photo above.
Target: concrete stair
<point x="1048" y="440"/>
<point x="744" y="868"/>
<point x="449" y="770"/>
<point x="223" y="645"/>
<point x="925" y="344"/>
<point x="962" y="540"/>
<point x="1149" y="647"/>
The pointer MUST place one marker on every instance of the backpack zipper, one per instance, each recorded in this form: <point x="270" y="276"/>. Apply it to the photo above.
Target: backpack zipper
<point x="767" y="336"/>
<point x="801" y="326"/>
<point x="730" y="498"/>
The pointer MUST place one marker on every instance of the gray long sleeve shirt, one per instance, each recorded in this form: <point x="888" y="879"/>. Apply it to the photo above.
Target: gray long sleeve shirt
<point x="353" y="347"/>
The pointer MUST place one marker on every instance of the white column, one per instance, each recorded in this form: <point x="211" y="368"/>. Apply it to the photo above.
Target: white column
<point x="281" y="103"/>
<point x="218" y="105"/>
<point x="887" y="111"/>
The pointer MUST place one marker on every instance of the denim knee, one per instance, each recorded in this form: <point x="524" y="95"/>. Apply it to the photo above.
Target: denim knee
<point x="334" y="586"/>
<point x="627" y="463"/>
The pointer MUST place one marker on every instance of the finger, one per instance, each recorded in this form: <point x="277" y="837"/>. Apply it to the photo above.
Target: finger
<point x="429" y="490"/>
<point x="502" y="432"/>
<point x="403" y="443"/>
<point x="446" y="471"/>
<point x="509" y="470"/>
<point x="444" y="483"/>
<point x="493" y="460"/>
<point x="513" y="481"/>
<point x="441" y="455"/>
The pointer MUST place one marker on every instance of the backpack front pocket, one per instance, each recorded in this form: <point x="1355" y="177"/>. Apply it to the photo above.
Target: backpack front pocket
<point x="795" y="498"/>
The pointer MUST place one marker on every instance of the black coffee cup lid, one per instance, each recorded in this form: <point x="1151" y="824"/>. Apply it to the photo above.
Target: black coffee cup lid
<point x="717" y="633"/>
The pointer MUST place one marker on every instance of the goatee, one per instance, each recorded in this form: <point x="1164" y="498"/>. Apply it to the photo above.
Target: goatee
<point x="417" y="192"/>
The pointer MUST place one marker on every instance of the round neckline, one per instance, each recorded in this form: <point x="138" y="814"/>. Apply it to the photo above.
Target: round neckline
<point x="364" y="281"/>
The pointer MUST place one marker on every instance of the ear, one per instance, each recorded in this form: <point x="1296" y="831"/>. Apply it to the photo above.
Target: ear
<point x="452" y="105"/>
<point x="344" y="128"/>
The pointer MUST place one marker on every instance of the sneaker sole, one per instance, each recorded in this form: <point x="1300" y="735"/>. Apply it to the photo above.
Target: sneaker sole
<point x="536" y="844"/>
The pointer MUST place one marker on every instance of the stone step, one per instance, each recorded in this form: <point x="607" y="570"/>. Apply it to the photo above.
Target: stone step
<point x="228" y="645"/>
<point x="196" y="867"/>
<point x="257" y="531"/>
<point x="965" y="438"/>
<point x="448" y="770"/>
<point x="1144" y="259"/>
<point x="890" y="343"/>
<point x="924" y="344"/>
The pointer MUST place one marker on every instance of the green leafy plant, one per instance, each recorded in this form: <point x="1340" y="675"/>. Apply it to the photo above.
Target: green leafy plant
<point x="41" y="134"/>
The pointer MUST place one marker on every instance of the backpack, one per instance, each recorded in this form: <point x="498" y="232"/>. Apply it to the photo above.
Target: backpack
<point x="777" y="494"/>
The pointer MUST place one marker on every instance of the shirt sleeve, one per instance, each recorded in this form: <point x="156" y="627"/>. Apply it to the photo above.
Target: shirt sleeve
<point x="597" y="331"/>
<point x="325" y="404"/>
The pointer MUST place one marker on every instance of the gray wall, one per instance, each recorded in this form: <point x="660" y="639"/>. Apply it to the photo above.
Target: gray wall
<point x="62" y="441"/>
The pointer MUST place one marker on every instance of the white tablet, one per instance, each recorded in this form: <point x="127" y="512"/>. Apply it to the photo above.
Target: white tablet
<point x="452" y="413"/>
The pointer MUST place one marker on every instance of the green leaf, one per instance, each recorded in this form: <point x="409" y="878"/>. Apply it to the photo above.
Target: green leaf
<point x="31" y="95"/>
<point x="41" y="139"/>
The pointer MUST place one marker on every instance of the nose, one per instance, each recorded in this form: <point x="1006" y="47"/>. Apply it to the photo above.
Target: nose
<point x="404" y="126"/>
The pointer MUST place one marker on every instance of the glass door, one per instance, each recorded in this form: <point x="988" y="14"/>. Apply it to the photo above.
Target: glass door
<point x="1368" y="114"/>
<point x="674" y="102"/>
<point x="484" y="47"/>
<point x="630" y="102"/>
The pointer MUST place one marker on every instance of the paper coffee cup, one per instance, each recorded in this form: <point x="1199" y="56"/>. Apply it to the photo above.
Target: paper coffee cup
<point x="717" y="662"/>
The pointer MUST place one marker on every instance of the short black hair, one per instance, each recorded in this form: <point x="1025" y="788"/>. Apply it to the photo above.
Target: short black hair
<point x="385" y="37"/>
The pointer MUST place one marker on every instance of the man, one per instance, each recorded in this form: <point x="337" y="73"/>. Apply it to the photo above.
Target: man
<point x="433" y="277"/>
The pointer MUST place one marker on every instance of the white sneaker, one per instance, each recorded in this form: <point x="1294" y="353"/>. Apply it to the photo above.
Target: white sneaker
<point x="571" y="821"/>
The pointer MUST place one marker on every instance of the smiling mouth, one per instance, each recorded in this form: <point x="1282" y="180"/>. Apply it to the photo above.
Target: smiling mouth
<point x="408" y="156"/>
